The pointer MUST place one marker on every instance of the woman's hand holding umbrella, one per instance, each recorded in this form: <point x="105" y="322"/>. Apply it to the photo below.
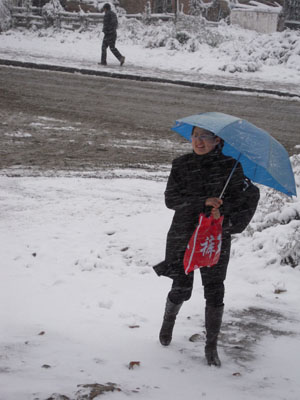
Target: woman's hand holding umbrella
<point x="215" y="203"/>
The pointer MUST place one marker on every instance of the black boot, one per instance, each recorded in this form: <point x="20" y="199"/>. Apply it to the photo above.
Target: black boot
<point x="213" y="321"/>
<point x="171" y="311"/>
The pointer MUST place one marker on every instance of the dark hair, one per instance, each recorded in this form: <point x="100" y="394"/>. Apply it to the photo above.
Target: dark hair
<point x="106" y="6"/>
<point x="206" y="130"/>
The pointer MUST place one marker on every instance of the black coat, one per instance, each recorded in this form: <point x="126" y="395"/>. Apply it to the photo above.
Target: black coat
<point x="192" y="180"/>
<point x="110" y="23"/>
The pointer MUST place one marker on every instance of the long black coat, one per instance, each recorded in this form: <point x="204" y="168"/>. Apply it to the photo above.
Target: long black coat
<point x="192" y="180"/>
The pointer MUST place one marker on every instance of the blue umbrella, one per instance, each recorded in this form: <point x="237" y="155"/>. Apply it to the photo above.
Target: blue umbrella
<point x="263" y="158"/>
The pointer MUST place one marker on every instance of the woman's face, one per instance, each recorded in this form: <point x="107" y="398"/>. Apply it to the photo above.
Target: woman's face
<point x="203" y="141"/>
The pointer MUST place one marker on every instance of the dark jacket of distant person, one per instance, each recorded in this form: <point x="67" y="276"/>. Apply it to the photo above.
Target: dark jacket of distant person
<point x="110" y="23"/>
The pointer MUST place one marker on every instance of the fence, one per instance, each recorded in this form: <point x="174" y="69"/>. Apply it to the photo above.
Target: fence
<point x="33" y="17"/>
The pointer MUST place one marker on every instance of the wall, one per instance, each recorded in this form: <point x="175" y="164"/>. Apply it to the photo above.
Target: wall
<point x="133" y="6"/>
<point x="260" y="21"/>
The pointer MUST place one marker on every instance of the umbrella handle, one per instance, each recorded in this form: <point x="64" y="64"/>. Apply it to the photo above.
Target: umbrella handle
<point x="230" y="176"/>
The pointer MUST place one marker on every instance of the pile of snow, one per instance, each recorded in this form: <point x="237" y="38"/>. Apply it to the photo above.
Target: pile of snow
<point x="248" y="51"/>
<point x="275" y="228"/>
<point x="274" y="49"/>
<point x="51" y="10"/>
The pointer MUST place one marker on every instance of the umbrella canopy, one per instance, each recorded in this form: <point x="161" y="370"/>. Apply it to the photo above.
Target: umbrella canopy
<point x="263" y="158"/>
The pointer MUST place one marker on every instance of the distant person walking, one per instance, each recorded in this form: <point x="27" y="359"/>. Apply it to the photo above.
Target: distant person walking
<point x="110" y="25"/>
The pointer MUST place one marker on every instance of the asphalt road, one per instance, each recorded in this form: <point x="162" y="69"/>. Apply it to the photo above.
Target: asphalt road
<point x="58" y="121"/>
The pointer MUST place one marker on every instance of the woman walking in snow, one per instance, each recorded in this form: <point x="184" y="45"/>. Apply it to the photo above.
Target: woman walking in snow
<point x="194" y="186"/>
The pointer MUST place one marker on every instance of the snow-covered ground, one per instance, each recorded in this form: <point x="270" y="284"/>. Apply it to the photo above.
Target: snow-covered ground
<point x="225" y="54"/>
<point x="80" y="300"/>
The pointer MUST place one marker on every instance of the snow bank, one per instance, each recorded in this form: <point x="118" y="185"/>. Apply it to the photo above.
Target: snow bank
<point x="245" y="50"/>
<point x="275" y="228"/>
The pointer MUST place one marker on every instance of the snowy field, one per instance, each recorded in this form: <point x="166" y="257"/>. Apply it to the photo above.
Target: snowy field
<point x="227" y="55"/>
<point x="80" y="300"/>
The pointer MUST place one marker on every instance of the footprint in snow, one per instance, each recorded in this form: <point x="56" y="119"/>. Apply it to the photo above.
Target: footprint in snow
<point x="105" y="304"/>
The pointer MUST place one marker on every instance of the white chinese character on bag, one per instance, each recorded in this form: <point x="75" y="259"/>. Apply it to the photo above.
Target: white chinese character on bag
<point x="209" y="245"/>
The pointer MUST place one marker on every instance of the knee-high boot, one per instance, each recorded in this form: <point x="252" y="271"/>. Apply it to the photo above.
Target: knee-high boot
<point x="171" y="311"/>
<point x="213" y="321"/>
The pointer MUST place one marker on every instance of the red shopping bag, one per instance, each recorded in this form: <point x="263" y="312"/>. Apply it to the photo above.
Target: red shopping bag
<point x="204" y="247"/>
